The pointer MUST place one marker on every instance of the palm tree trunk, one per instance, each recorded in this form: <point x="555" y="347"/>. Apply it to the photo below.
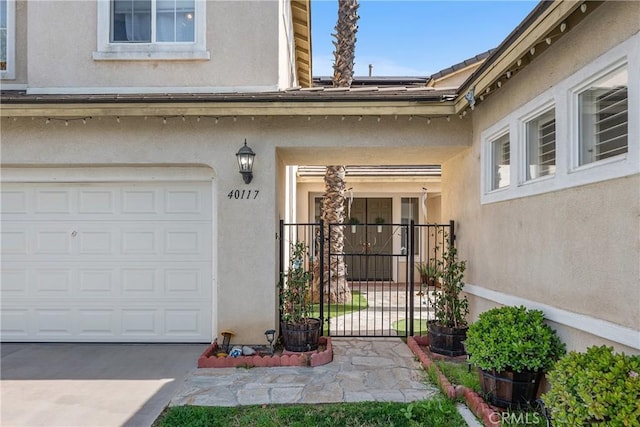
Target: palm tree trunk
<point x="333" y="214"/>
<point x="335" y="273"/>
<point x="345" y="43"/>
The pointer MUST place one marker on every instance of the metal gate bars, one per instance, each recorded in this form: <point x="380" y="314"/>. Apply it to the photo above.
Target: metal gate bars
<point x="377" y="283"/>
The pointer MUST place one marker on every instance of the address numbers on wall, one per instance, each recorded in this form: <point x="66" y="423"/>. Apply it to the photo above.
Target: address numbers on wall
<point x="243" y="194"/>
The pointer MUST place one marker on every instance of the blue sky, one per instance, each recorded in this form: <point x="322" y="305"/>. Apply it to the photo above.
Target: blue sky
<point x="415" y="38"/>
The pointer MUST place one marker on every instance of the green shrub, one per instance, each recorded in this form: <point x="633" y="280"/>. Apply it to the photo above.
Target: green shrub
<point x="596" y="387"/>
<point x="514" y="339"/>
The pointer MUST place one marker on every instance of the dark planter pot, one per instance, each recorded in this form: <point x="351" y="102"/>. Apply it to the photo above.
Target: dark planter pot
<point x="303" y="336"/>
<point x="508" y="389"/>
<point x="447" y="341"/>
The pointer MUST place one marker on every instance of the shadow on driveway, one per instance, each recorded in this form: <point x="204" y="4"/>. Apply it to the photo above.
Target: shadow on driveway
<point x="91" y="384"/>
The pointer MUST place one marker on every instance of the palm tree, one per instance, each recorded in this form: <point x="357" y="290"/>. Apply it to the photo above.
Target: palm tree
<point x="345" y="43"/>
<point x="335" y="273"/>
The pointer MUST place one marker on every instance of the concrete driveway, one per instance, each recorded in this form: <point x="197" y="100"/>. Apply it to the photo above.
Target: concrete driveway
<point x="91" y="385"/>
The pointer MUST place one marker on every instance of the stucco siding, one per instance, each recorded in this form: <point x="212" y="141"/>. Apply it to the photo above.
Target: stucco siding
<point x="244" y="241"/>
<point x="575" y="249"/>
<point x="241" y="37"/>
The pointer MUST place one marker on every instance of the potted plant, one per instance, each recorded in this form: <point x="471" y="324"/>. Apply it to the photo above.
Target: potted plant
<point x="448" y="331"/>
<point x="353" y="221"/>
<point x="429" y="273"/>
<point x="300" y="331"/>
<point x="598" y="387"/>
<point x="513" y="348"/>
<point x="379" y="221"/>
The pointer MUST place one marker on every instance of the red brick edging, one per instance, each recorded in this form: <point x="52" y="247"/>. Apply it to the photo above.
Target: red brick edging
<point x="208" y="359"/>
<point x="490" y="417"/>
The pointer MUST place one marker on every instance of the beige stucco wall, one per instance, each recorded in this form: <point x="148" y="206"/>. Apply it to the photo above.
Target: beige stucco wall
<point x="576" y="249"/>
<point x="245" y="246"/>
<point x="242" y="38"/>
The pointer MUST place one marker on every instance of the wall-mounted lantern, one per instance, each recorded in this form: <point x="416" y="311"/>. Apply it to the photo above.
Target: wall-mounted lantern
<point x="245" y="157"/>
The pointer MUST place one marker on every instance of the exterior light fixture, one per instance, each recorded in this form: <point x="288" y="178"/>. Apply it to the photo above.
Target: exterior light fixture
<point x="271" y="335"/>
<point x="245" y="157"/>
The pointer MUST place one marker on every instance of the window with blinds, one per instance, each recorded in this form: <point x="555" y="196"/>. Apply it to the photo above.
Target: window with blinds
<point x="500" y="159"/>
<point x="604" y="118"/>
<point x="541" y="145"/>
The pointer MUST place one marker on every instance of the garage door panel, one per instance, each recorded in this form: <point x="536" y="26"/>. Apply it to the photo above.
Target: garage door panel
<point x="14" y="242"/>
<point x="113" y="262"/>
<point x="13" y="281"/>
<point x="92" y="240"/>
<point x="97" y="201"/>
<point x="101" y="201"/>
<point x="129" y="324"/>
<point x="53" y="282"/>
<point x="53" y="201"/>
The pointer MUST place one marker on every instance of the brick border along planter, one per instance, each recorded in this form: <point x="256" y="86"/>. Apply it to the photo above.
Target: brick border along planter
<point x="490" y="416"/>
<point x="311" y="358"/>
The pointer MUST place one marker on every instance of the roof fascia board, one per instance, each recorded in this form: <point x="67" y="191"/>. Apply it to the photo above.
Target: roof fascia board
<point x="301" y="21"/>
<point x="542" y="22"/>
<point x="431" y="109"/>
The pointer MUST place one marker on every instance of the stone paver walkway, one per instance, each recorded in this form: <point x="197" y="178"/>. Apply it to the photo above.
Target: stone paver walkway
<point x="362" y="370"/>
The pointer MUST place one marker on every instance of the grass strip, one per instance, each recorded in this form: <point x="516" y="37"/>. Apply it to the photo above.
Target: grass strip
<point x="434" y="412"/>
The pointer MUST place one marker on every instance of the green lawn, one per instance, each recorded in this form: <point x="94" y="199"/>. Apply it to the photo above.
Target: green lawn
<point x="436" y="412"/>
<point x="419" y="326"/>
<point x="458" y="372"/>
<point x="358" y="302"/>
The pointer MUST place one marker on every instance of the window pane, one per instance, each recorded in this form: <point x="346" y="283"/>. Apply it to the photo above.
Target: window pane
<point x="3" y="34"/>
<point x="175" y="20"/>
<point x="541" y="146"/>
<point x="408" y="212"/>
<point x="500" y="162"/>
<point x="131" y="21"/>
<point x="603" y="110"/>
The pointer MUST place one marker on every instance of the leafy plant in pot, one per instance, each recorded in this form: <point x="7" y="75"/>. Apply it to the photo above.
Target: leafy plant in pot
<point x="300" y="331"/>
<point x="448" y="331"/>
<point x="429" y="273"/>
<point x="513" y="348"/>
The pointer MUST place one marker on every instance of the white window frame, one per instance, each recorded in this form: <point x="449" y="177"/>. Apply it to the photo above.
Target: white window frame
<point x="575" y="93"/>
<point x="106" y="50"/>
<point x="523" y="139"/>
<point x="488" y="138"/>
<point x="10" y="72"/>
<point x="564" y="96"/>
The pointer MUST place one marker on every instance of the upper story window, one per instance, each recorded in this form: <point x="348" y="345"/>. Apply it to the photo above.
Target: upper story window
<point x="541" y="145"/>
<point x="604" y="117"/>
<point x="500" y="162"/>
<point x="151" y="30"/>
<point x="7" y="39"/>
<point x="147" y="21"/>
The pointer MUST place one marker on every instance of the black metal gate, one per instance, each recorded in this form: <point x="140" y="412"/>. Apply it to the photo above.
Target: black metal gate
<point x="388" y="295"/>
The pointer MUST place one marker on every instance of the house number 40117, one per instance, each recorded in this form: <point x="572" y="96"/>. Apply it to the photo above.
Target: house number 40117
<point x="243" y="194"/>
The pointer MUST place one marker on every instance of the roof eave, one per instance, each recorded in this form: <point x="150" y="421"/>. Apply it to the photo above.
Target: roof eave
<point x="515" y="52"/>
<point x="301" y="21"/>
<point x="356" y="107"/>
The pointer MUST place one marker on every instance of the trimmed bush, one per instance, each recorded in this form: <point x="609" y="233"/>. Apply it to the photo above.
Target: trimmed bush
<point x="598" y="387"/>
<point x="513" y="339"/>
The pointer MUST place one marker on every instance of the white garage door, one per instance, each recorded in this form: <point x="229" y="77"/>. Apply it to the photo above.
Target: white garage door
<point x="106" y="262"/>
